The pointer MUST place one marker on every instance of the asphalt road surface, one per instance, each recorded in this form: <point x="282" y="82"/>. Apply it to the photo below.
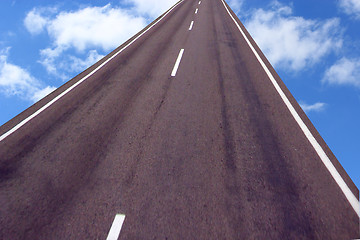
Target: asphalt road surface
<point x="182" y="131"/>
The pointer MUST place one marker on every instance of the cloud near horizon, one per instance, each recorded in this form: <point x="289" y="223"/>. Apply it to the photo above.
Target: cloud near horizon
<point x="295" y="43"/>
<point x="316" y="107"/>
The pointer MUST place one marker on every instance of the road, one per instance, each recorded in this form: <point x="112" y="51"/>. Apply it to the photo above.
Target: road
<point x="203" y="149"/>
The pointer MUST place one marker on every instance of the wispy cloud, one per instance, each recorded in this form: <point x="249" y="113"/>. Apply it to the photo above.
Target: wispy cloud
<point x="78" y="64"/>
<point x="62" y="65"/>
<point x="344" y="72"/>
<point x="236" y="5"/>
<point x="295" y="43"/>
<point x="351" y="7"/>
<point x="316" y="107"/>
<point x="17" y="81"/>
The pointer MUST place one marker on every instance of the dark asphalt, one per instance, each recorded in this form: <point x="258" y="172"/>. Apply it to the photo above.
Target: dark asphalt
<point x="212" y="153"/>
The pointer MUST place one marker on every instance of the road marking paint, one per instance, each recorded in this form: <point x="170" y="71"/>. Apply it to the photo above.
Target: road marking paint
<point x="177" y="63"/>
<point x="321" y="153"/>
<point x="199" y="2"/>
<point x="26" y="120"/>
<point x="191" y="25"/>
<point x="116" y="227"/>
<point x="196" y="11"/>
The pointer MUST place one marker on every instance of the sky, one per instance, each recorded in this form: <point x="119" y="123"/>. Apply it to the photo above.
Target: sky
<point x="313" y="45"/>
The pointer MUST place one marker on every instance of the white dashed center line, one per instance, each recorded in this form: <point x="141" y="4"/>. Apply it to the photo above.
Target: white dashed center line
<point x="191" y="25"/>
<point x="116" y="227"/>
<point x="199" y="2"/>
<point x="177" y="63"/>
<point x="196" y="11"/>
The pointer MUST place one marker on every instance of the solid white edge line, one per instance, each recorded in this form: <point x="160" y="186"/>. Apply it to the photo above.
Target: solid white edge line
<point x="191" y="25"/>
<point x="116" y="227"/>
<point x="321" y="153"/>
<point x="177" y="63"/>
<point x="23" y="122"/>
<point x="196" y="11"/>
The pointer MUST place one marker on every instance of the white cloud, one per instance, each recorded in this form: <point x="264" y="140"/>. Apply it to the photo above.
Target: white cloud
<point x="351" y="7"/>
<point x="48" y="58"/>
<point x="34" y="22"/>
<point x="290" y="42"/>
<point x="152" y="8"/>
<point x="316" y="107"/>
<point x="37" y="19"/>
<point x="344" y="72"/>
<point x="16" y="81"/>
<point x="13" y="79"/>
<point x="103" y="27"/>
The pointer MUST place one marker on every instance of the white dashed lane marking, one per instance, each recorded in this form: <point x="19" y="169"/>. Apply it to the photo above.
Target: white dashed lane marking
<point x="191" y="25"/>
<point x="116" y="227"/>
<point x="177" y="63"/>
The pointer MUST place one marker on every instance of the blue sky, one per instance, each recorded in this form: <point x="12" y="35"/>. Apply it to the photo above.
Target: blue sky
<point x="313" y="45"/>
